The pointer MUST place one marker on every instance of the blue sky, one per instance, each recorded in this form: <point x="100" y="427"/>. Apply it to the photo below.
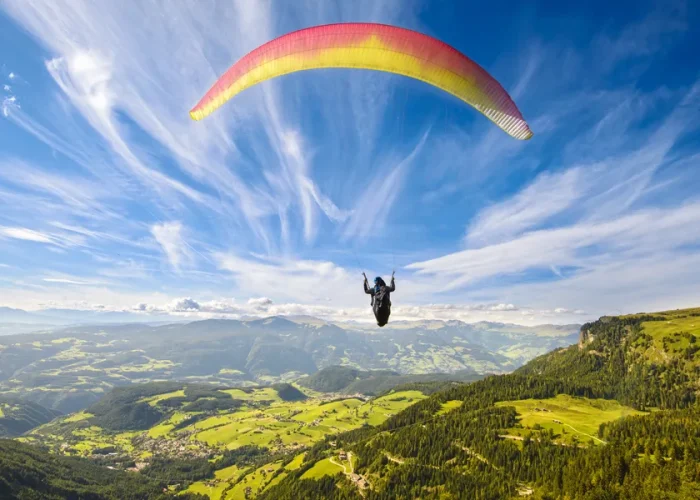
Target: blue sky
<point x="112" y="198"/>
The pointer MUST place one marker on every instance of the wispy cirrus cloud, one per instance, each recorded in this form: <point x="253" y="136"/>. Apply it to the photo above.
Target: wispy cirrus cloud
<point x="547" y="196"/>
<point x="263" y="198"/>
<point x="584" y="224"/>
<point x="78" y="193"/>
<point x="57" y="239"/>
<point x="646" y="37"/>
<point x="375" y="204"/>
<point x="7" y="103"/>
<point x="85" y="76"/>
<point x="587" y="243"/>
<point x="22" y="233"/>
<point x="70" y="281"/>
<point x="313" y="280"/>
<point x="106" y="73"/>
<point x="170" y="236"/>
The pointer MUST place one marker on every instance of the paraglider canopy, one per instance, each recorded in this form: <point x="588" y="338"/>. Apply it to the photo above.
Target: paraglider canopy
<point x="376" y="47"/>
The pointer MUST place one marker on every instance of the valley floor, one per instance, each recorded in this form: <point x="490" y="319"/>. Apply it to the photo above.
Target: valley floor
<point x="265" y="420"/>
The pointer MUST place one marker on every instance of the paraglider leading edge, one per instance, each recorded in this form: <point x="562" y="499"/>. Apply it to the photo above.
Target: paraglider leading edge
<point x="375" y="47"/>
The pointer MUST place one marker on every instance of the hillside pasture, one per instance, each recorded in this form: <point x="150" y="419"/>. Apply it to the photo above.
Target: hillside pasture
<point x="571" y="419"/>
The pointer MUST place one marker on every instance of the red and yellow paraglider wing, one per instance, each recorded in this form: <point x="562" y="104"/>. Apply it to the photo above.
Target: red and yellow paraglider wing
<point x="375" y="47"/>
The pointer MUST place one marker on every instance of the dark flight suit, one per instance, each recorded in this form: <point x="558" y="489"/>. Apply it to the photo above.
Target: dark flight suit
<point x="381" y="301"/>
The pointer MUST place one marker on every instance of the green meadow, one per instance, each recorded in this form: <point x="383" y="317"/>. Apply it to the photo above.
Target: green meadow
<point x="264" y="420"/>
<point x="571" y="419"/>
<point x="322" y="468"/>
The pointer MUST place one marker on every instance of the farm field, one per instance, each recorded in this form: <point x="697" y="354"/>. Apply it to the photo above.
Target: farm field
<point x="264" y="420"/>
<point x="291" y="425"/>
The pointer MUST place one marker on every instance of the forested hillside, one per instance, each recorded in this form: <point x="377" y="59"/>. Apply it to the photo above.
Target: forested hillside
<point x="459" y="443"/>
<point x="17" y="416"/>
<point x="643" y="360"/>
<point x="29" y="472"/>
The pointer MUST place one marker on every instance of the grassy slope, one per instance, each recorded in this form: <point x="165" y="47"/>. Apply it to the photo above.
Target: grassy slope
<point x="257" y="480"/>
<point x="230" y="483"/>
<point x="577" y="416"/>
<point x="154" y="400"/>
<point x="671" y="338"/>
<point x="215" y="489"/>
<point x="322" y="468"/>
<point x="449" y="406"/>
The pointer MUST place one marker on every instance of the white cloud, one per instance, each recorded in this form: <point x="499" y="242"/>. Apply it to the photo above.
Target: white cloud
<point x="375" y="204"/>
<point x="193" y="308"/>
<point x="227" y="308"/>
<point x="85" y="76"/>
<point x="644" y="38"/>
<point x="564" y="310"/>
<point x="67" y="281"/>
<point x="288" y="279"/>
<point x="21" y="233"/>
<point x="548" y="195"/>
<point x="170" y="237"/>
<point x="8" y="103"/>
<point x="259" y="302"/>
<point x="503" y="307"/>
<point x="580" y="224"/>
<point x="80" y="194"/>
<point x="264" y="178"/>
<point x="30" y="296"/>
<point x="583" y="244"/>
<point x="119" y="64"/>
<point x="185" y="305"/>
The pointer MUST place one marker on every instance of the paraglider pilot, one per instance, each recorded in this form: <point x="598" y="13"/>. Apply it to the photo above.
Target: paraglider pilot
<point x="381" y="302"/>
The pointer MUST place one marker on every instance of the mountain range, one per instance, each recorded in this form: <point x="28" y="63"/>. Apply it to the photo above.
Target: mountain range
<point x="51" y="317"/>
<point x="614" y="415"/>
<point x="70" y="368"/>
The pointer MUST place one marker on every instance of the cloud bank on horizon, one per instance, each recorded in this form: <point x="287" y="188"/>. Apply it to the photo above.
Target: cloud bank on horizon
<point x="111" y="198"/>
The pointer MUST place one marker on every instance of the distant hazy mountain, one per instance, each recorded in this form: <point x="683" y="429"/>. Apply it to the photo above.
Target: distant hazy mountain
<point x="10" y="315"/>
<point x="71" y="368"/>
<point x="347" y="380"/>
<point x="20" y="321"/>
